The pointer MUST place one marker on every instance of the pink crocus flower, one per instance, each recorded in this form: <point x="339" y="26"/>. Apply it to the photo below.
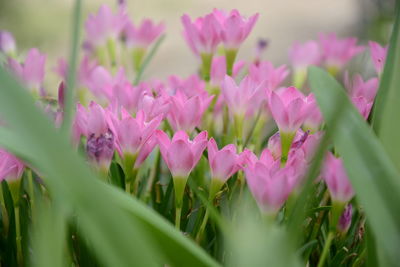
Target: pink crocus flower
<point x="303" y="55"/>
<point x="269" y="185"/>
<point x="378" y="55"/>
<point x="313" y="113"/>
<point x="337" y="52"/>
<point x="95" y="123"/>
<point x="336" y="179"/>
<point x="265" y="72"/>
<point x="11" y="168"/>
<point x="32" y="71"/>
<point x="133" y="135"/>
<point x="242" y="99"/>
<point x="181" y="154"/>
<point x="7" y="43"/>
<point x="288" y="109"/>
<point x="202" y="35"/>
<point x="235" y="28"/>
<point x="225" y="162"/>
<point x="104" y="25"/>
<point x="143" y="35"/>
<point x="186" y="112"/>
<point x="362" y="93"/>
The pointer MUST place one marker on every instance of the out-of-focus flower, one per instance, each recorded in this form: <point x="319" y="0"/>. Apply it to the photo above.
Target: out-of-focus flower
<point x="274" y="143"/>
<point x="261" y="46"/>
<point x="269" y="185"/>
<point x="143" y="35"/>
<point x="302" y="56"/>
<point x="191" y="85"/>
<point x="378" y="55"/>
<point x="32" y="71"/>
<point x="314" y="117"/>
<point x="202" y="35"/>
<point x="104" y="26"/>
<point x="218" y="71"/>
<point x="362" y="93"/>
<point x="345" y="219"/>
<point x="186" y="112"/>
<point x="337" y="52"/>
<point x="267" y="73"/>
<point x="11" y="168"/>
<point x="154" y="106"/>
<point x="7" y="43"/>
<point x="235" y="27"/>
<point x="336" y="179"/>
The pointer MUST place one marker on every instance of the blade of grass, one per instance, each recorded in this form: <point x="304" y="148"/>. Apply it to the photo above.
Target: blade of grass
<point x="120" y="238"/>
<point x="69" y="92"/>
<point x="147" y="59"/>
<point x="387" y="103"/>
<point x="372" y="174"/>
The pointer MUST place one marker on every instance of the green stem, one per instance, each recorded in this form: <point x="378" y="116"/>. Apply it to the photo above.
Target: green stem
<point x="325" y="251"/>
<point x="203" y="226"/>
<point x="230" y="55"/>
<point x="206" y="60"/>
<point x="286" y="142"/>
<point x="178" y="214"/>
<point x="18" y="235"/>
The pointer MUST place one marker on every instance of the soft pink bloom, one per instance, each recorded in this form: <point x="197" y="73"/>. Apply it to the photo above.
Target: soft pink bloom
<point x="191" y="86"/>
<point x="154" y="106"/>
<point x="303" y="55"/>
<point x="104" y="25"/>
<point x="269" y="185"/>
<point x="202" y="35"/>
<point x="186" y="112"/>
<point x="378" y="55"/>
<point x="32" y="71"/>
<point x="143" y="35"/>
<point x="288" y="108"/>
<point x="362" y="93"/>
<point x="218" y="70"/>
<point x="95" y="123"/>
<point x="265" y="72"/>
<point x="242" y="99"/>
<point x="85" y="70"/>
<point x="345" y="219"/>
<point x="336" y="179"/>
<point x="337" y="52"/>
<point x="225" y="162"/>
<point x="181" y="154"/>
<point x="11" y="168"/>
<point x="234" y="27"/>
<point x="313" y="113"/>
<point x="132" y="134"/>
<point x="7" y="43"/>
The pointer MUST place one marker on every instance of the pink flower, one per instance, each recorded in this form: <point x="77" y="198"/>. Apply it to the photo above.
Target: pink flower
<point x="154" y="106"/>
<point x="11" y="168"/>
<point x="218" y="70"/>
<point x="336" y="179"/>
<point x="345" y="219"/>
<point x="95" y="123"/>
<point x="269" y="185"/>
<point x="7" y="43"/>
<point x="243" y="99"/>
<point x="144" y="35"/>
<point x="104" y="25"/>
<point x="265" y="72"/>
<point x="225" y="162"/>
<point x="202" y="35"/>
<point x="186" y="112"/>
<point x="274" y="143"/>
<point x="337" y="52"/>
<point x="362" y="93"/>
<point x="191" y="86"/>
<point x="314" y="117"/>
<point x="303" y="55"/>
<point x="32" y="71"/>
<point x="132" y="135"/>
<point x="378" y="55"/>
<point x="288" y="108"/>
<point x="180" y="154"/>
<point x="234" y="27"/>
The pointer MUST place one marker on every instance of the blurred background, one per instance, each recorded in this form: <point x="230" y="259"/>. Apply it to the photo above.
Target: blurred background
<point x="46" y="24"/>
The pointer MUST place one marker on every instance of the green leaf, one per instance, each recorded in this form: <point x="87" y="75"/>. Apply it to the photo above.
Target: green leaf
<point x="372" y="174"/>
<point x="387" y="104"/>
<point x="122" y="230"/>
